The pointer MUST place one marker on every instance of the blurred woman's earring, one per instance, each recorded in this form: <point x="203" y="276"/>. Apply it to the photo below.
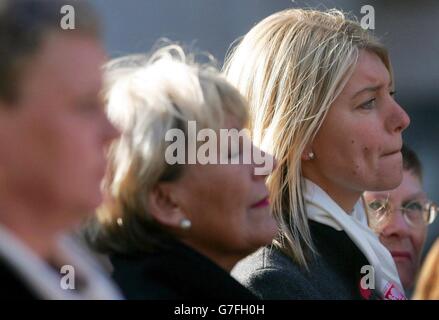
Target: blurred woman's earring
<point x="185" y="224"/>
<point x="311" y="155"/>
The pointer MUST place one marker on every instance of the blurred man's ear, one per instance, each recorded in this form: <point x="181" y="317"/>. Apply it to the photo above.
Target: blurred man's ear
<point x="7" y="113"/>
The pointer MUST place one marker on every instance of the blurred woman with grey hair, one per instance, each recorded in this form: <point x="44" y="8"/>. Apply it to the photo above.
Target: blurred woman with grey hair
<point x="176" y="229"/>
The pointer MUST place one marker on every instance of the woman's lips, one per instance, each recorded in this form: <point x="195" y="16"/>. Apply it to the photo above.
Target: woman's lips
<point x="263" y="203"/>
<point x="392" y="152"/>
<point x="401" y="255"/>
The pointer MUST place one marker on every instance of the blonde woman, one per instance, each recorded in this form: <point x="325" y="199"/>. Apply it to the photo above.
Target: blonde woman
<point x="427" y="287"/>
<point x="175" y="230"/>
<point x="320" y="90"/>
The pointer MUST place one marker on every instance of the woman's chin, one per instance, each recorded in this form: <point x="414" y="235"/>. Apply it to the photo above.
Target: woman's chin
<point x="386" y="182"/>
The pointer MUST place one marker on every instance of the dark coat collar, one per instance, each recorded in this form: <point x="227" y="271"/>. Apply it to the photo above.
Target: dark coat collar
<point x="342" y="256"/>
<point x="177" y="272"/>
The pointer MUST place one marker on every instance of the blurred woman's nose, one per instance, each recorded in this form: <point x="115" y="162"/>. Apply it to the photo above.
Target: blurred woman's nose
<point x="396" y="226"/>
<point x="398" y="119"/>
<point x="109" y="131"/>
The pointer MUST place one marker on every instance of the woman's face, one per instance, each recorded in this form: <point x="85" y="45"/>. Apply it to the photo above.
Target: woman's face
<point x="404" y="241"/>
<point x="358" y="145"/>
<point x="228" y="207"/>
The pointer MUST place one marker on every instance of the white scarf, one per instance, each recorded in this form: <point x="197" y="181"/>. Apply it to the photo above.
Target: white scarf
<point x="45" y="281"/>
<point x="322" y="209"/>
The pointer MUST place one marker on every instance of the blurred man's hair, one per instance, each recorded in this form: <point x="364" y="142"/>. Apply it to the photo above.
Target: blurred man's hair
<point x="411" y="161"/>
<point x="24" y="25"/>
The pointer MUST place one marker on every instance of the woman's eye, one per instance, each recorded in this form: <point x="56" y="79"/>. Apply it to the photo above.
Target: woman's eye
<point x="236" y="147"/>
<point x="392" y="93"/>
<point x="233" y="154"/>
<point x="369" y="104"/>
<point x="234" y="151"/>
<point x="413" y="206"/>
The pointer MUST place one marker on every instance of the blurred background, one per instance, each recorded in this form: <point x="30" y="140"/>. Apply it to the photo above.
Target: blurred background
<point x="408" y="28"/>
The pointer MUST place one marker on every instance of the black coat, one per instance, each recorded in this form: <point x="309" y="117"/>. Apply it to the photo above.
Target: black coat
<point x="12" y="286"/>
<point x="178" y="272"/>
<point x="335" y="273"/>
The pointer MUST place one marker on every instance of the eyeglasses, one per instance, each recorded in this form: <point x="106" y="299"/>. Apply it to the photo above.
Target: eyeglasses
<point x="416" y="213"/>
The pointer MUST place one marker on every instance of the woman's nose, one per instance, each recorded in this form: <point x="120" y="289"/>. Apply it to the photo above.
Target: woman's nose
<point x="398" y="119"/>
<point x="109" y="131"/>
<point x="396" y="225"/>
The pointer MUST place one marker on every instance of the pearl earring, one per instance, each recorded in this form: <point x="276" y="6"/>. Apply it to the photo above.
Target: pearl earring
<point x="311" y="155"/>
<point x="185" y="224"/>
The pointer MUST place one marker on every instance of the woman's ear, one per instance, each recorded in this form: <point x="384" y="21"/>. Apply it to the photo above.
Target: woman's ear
<point x="164" y="207"/>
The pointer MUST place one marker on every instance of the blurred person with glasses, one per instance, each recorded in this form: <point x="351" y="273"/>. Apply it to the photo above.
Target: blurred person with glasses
<point x="400" y="218"/>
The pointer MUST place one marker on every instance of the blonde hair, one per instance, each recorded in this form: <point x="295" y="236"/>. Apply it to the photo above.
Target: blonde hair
<point x="291" y="66"/>
<point x="146" y="97"/>
<point x="427" y="287"/>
